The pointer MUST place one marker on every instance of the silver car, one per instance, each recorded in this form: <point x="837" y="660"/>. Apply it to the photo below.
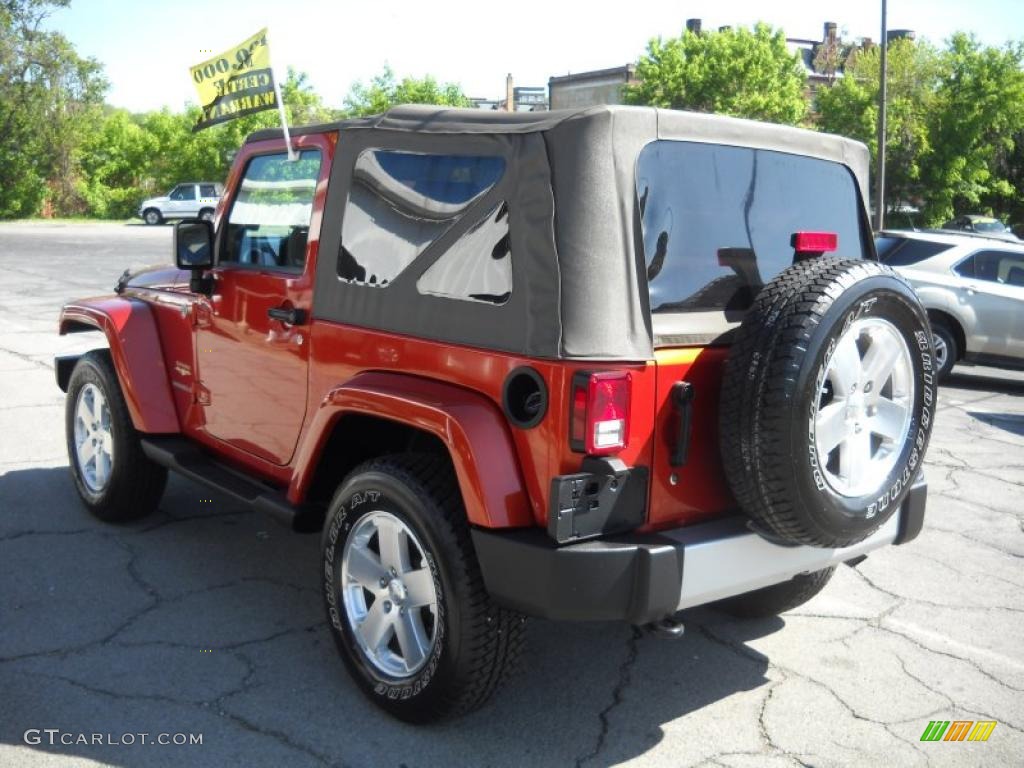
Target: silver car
<point x="973" y="289"/>
<point x="189" y="200"/>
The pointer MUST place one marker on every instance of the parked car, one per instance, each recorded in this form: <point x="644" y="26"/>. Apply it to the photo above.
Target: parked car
<point x="599" y="364"/>
<point x="982" y="225"/>
<point x="191" y="200"/>
<point x="973" y="289"/>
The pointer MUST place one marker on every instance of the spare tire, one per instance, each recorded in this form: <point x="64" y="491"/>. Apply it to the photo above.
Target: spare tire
<point x="828" y="400"/>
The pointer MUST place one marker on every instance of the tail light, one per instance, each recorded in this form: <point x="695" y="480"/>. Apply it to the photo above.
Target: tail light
<point x="808" y="245"/>
<point x="600" y="412"/>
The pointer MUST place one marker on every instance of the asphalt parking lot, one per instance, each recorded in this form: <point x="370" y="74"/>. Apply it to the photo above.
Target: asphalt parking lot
<point x="206" y="618"/>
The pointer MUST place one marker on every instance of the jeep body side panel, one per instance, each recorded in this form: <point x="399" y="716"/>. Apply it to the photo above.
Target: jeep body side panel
<point x="694" y="488"/>
<point x="165" y="290"/>
<point x="470" y="426"/>
<point x="251" y="368"/>
<point x="135" y="348"/>
<point x="539" y="454"/>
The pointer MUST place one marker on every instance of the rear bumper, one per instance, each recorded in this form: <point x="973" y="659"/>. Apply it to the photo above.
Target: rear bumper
<point x="641" y="578"/>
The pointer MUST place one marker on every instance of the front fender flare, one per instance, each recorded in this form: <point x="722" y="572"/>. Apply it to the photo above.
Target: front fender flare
<point x="137" y="355"/>
<point x="469" y="425"/>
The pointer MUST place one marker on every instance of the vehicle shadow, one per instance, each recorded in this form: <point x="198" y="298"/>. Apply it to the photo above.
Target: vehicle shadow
<point x="208" y="618"/>
<point x="981" y="382"/>
<point x="1011" y="422"/>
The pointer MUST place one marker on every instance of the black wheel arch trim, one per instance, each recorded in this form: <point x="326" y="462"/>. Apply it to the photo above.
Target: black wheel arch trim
<point x="64" y="366"/>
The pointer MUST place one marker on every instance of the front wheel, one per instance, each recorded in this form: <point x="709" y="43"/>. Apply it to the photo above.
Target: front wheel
<point x="404" y="595"/>
<point x="112" y="474"/>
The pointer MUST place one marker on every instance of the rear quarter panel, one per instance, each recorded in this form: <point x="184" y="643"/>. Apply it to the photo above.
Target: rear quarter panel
<point x="339" y="353"/>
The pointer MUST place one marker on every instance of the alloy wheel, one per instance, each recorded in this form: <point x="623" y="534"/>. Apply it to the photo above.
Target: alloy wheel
<point x="391" y="602"/>
<point x="941" y="351"/>
<point x="94" y="440"/>
<point x="863" y="412"/>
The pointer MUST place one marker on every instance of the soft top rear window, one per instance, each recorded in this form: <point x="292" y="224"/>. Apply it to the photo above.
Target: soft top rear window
<point x="904" y="251"/>
<point x="718" y="220"/>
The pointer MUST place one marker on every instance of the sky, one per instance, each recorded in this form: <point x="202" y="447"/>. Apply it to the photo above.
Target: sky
<point x="147" y="46"/>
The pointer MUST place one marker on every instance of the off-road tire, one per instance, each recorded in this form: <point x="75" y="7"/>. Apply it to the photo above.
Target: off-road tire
<point x="478" y="642"/>
<point x="136" y="483"/>
<point x="772" y="385"/>
<point x="945" y="367"/>
<point x="777" y="598"/>
<point x="152" y="217"/>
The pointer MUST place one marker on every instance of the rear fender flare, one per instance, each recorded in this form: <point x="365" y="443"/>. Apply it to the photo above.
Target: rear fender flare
<point x="137" y="355"/>
<point x="470" y="426"/>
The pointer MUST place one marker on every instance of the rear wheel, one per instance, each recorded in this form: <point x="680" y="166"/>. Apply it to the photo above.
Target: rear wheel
<point x="152" y="216"/>
<point x="206" y="214"/>
<point x="778" y="598"/>
<point x="404" y="596"/>
<point x="947" y="352"/>
<point x="113" y="476"/>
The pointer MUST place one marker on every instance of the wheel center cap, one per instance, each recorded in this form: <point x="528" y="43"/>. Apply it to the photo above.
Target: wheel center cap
<point x="396" y="590"/>
<point x="856" y="404"/>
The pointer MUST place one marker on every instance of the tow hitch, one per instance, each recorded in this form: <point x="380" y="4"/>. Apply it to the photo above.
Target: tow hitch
<point x="668" y="628"/>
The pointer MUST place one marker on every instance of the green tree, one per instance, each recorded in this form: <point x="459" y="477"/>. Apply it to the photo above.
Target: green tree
<point x="850" y="108"/>
<point x="384" y="91"/>
<point x="978" y="113"/>
<point x="49" y="99"/>
<point x="740" y="72"/>
<point x="114" y="162"/>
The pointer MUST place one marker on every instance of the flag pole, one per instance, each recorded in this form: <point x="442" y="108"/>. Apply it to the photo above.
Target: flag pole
<point x="292" y="157"/>
<point x="882" y="106"/>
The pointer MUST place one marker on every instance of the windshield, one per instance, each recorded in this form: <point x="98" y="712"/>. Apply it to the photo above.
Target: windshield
<point x="988" y="225"/>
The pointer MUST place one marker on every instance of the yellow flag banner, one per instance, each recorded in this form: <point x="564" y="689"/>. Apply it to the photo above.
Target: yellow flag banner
<point x="236" y="83"/>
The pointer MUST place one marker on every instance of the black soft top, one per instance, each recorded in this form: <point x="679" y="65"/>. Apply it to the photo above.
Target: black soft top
<point x="584" y="293"/>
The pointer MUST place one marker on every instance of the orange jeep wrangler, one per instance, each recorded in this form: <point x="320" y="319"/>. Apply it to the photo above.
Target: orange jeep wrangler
<point x="599" y="364"/>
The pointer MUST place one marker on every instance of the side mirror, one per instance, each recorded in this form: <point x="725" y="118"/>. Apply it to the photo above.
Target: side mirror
<point x="193" y="244"/>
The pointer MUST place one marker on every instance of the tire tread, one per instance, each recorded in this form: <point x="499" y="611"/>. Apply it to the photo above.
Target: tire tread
<point x="136" y="489"/>
<point x="492" y="637"/>
<point x="778" y="329"/>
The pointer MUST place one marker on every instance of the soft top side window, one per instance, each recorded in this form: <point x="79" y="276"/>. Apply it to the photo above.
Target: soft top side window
<point x="478" y="266"/>
<point x="401" y="202"/>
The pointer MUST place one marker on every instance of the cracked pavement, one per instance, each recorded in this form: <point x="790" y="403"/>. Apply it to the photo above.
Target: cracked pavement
<point x="206" y="618"/>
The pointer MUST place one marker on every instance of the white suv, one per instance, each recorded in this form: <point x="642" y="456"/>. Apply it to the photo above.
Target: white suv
<point x="190" y="200"/>
<point x="973" y="289"/>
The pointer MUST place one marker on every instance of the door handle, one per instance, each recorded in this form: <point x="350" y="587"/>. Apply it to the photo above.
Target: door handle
<point x="682" y="406"/>
<point x="971" y="290"/>
<point x="287" y="315"/>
